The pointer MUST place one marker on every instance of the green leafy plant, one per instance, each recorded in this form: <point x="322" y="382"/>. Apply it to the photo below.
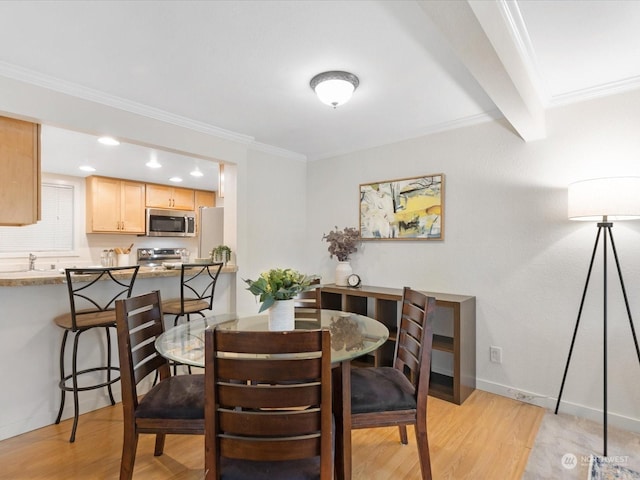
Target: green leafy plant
<point x="278" y="284"/>
<point x="221" y="253"/>
<point x="342" y="243"/>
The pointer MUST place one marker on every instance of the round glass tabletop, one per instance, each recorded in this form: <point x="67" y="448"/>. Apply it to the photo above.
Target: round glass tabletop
<point x="352" y="335"/>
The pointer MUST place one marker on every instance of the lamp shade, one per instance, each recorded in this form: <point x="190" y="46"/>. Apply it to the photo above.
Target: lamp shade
<point x="617" y="198"/>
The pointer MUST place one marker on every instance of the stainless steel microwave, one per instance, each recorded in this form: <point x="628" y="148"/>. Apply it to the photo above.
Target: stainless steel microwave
<point x="170" y="223"/>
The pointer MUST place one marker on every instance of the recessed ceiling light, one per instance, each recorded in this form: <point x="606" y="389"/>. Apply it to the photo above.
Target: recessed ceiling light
<point x="87" y="168"/>
<point x="108" y="141"/>
<point x="153" y="163"/>
<point x="175" y="179"/>
<point x="196" y="173"/>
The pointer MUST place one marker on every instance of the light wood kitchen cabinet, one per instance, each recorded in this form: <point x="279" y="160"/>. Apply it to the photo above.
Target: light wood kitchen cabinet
<point x="115" y="206"/>
<point x="20" y="167"/>
<point x="205" y="198"/>
<point x="164" y="196"/>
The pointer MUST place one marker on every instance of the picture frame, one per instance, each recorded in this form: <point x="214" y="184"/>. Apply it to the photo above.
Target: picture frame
<point x="403" y="209"/>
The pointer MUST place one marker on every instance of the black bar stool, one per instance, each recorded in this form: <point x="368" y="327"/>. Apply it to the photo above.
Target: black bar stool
<point x="92" y="296"/>
<point x="197" y="287"/>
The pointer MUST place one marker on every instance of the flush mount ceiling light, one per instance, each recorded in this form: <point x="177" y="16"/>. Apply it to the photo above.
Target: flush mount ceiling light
<point x="175" y="179"/>
<point x="334" y="88"/>
<point x="87" y="168"/>
<point x="196" y="173"/>
<point x="109" y="141"/>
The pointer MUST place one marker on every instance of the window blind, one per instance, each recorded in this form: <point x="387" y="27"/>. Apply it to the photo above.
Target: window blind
<point x="54" y="233"/>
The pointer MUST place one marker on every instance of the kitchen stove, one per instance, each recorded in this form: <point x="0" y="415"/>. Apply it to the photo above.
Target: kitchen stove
<point x="154" y="257"/>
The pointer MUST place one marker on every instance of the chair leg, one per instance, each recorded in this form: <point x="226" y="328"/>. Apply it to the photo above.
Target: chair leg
<point x="159" y="444"/>
<point x="403" y="434"/>
<point x="108" y="330"/>
<point x="62" y="375"/>
<point x="423" y="449"/>
<point x="74" y="380"/>
<point x="129" y="447"/>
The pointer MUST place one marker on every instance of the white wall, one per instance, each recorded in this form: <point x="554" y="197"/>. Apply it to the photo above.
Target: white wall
<point x="509" y="243"/>
<point x="275" y="215"/>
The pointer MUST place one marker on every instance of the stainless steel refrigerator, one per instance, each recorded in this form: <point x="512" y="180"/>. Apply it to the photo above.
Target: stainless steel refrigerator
<point x="211" y="230"/>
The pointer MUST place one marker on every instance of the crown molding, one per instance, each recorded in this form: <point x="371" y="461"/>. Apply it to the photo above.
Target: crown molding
<point x="280" y="152"/>
<point x="69" y="88"/>
<point x="512" y="14"/>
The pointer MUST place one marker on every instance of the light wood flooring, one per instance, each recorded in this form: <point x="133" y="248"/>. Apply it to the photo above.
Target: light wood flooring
<point x="488" y="437"/>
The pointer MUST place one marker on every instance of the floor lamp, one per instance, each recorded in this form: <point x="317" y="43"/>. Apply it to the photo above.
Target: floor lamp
<point x="603" y="200"/>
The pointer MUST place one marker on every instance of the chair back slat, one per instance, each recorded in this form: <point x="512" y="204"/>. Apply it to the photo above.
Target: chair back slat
<point x="268" y="370"/>
<point x="268" y="342"/>
<point x="268" y="397"/>
<point x="293" y="423"/>
<point x="138" y="356"/>
<point x="259" y="450"/>
<point x="414" y="335"/>
<point x="309" y="298"/>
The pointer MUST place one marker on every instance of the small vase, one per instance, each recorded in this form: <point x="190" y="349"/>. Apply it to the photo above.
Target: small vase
<point x="343" y="270"/>
<point x="282" y="315"/>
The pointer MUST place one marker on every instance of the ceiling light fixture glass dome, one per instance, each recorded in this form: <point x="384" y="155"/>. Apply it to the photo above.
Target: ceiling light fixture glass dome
<point x="334" y="88"/>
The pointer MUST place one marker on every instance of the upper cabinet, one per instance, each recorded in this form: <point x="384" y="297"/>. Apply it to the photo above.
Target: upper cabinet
<point x="115" y="206"/>
<point x="20" y="167"/>
<point x="163" y="196"/>
<point x="205" y="198"/>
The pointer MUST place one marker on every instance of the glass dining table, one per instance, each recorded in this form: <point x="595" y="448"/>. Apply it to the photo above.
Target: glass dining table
<point x="352" y="336"/>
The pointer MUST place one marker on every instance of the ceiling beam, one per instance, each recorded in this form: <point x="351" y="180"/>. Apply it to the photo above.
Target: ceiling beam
<point x="481" y="37"/>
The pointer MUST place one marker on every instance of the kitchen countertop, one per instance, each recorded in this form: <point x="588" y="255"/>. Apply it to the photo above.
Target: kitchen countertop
<point x="54" y="277"/>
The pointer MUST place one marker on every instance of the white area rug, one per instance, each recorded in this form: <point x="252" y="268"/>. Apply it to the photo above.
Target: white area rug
<point x="565" y="445"/>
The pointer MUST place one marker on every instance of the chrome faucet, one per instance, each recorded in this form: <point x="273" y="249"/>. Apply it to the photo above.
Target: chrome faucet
<point x="32" y="261"/>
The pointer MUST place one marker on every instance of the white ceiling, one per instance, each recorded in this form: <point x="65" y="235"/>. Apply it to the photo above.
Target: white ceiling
<point x="241" y="69"/>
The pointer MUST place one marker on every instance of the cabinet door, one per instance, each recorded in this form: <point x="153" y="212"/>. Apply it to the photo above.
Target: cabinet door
<point x="183" y="199"/>
<point x="132" y="207"/>
<point x="205" y="199"/>
<point x="159" y="196"/>
<point x="103" y="204"/>
<point x="20" y="167"/>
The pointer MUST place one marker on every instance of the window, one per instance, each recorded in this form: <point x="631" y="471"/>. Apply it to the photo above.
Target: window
<point x="54" y="233"/>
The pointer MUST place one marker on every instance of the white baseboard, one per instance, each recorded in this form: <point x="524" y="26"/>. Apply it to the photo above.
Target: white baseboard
<point x="549" y="403"/>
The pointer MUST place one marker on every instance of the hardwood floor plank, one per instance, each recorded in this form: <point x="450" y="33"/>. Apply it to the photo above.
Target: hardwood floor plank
<point x="487" y="437"/>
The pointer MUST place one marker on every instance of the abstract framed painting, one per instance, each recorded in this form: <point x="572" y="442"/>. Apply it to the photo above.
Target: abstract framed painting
<point x="403" y="209"/>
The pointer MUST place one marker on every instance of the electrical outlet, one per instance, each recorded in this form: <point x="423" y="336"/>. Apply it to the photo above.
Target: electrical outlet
<point x="495" y="354"/>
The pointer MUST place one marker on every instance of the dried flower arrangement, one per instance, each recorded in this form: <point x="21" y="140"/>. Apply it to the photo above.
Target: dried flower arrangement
<point x="342" y="243"/>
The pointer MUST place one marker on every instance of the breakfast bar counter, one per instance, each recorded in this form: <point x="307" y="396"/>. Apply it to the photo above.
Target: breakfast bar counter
<point x="30" y="341"/>
<point x="54" y="277"/>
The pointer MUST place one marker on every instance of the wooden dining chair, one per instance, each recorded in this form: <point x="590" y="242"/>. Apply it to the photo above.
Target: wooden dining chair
<point x="267" y="415"/>
<point x="309" y="298"/>
<point x="175" y="405"/>
<point x="397" y="396"/>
